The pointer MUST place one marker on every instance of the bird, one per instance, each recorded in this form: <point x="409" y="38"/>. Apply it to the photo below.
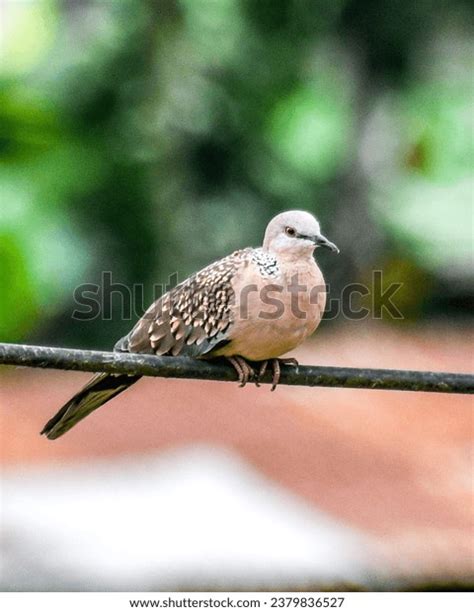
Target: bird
<point x="251" y="307"/>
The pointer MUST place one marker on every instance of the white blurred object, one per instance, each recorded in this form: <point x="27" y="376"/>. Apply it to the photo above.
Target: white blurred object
<point x="190" y="518"/>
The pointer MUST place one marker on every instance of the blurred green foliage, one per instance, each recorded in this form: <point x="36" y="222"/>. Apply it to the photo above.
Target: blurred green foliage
<point x="151" y="136"/>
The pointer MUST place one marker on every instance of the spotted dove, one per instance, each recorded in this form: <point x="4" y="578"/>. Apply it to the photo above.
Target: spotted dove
<point x="253" y="305"/>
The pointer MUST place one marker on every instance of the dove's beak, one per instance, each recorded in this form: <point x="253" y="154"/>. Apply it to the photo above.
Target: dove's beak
<point x="322" y="241"/>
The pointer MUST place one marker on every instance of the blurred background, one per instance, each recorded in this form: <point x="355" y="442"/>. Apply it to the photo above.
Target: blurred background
<point x="150" y="137"/>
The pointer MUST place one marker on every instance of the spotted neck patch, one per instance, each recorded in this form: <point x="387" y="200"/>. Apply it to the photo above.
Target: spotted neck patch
<point x="266" y="263"/>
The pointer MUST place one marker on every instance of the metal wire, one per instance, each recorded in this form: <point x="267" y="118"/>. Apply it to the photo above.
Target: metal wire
<point x="184" y="367"/>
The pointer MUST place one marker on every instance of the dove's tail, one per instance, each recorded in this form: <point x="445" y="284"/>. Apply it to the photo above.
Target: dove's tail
<point x="100" y="389"/>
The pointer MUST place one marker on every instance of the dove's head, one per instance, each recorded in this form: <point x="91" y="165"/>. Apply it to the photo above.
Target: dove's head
<point x="295" y="234"/>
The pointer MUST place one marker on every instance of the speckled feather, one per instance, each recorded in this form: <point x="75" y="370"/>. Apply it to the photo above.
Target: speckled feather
<point x="196" y="315"/>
